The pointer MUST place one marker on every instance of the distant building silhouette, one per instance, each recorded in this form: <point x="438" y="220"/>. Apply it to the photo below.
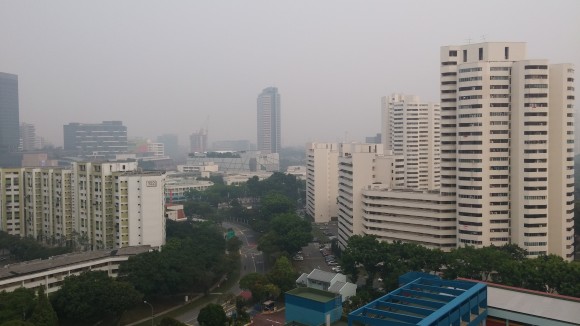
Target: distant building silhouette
<point x="171" y="143"/>
<point x="28" y="139"/>
<point x="98" y="139"/>
<point x="269" y="129"/>
<point x="9" y="113"/>
<point x="198" y="141"/>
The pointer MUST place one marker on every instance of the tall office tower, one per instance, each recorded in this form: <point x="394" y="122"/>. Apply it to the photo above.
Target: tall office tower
<point x="9" y="113"/>
<point x="411" y="128"/>
<point x="198" y="141"/>
<point x="99" y="139"/>
<point x="322" y="181"/>
<point x="269" y="128"/>
<point x="28" y="137"/>
<point x="507" y="147"/>
<point x="170" y="143"/>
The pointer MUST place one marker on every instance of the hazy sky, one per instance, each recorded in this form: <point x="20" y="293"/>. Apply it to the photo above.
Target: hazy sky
<point x="166" y="66"/>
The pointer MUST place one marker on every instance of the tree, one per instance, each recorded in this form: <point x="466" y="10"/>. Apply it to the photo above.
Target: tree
<point x="288" y="233"/>
<point x="43" y="314"/>
<point x="364" y="250"/>
<point x="191" y="260"/>
<point x="92" y="296"/>
<point x="283" y="275"/>
<point x="274" y="204"/>
<point x="259" y="285"/>
<point x="212" y="315"/>
<point x="16" y="305"/>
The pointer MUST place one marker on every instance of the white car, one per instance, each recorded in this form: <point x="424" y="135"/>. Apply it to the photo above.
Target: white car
<point x="298" y="257"/>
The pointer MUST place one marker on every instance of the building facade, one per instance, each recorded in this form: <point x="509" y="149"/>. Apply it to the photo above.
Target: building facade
<point x="92" y="205"/>
<point x="360" y="165"/>
<point x="507" y="146"/>
<point x="28" y="139"/>
<point x="98" y="140"/>
<point x="409" y="215"/>
<point x="198" y="141"/>
<point x="50" y="273"/>
<point x="322" y="181"/>
<point x="411" y="128"/>
<point x="9" y="113"/>
<point x="269" y="125"/>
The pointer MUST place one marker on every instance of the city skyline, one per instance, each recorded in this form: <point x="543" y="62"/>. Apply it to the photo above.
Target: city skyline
<point x="175" y="63"/>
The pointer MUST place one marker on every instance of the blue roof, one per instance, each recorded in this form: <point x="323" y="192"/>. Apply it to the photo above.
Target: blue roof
<point x="426" y="300"/>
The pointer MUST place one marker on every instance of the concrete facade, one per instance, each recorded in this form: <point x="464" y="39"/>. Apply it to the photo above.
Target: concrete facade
<point x="411" y="128"/>
<point x="93" y="205"/>
<point x="507" y="147"/>
<point x="409" y="215"/>
<point x="322" y="181"/>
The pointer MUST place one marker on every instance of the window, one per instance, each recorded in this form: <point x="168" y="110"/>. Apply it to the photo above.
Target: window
<point x="536" y="67"/>
<point x="506" y="53"/>
<point x="453" y="53"/>
<point x="480" y="53"/>
<point x="464" y="55"/>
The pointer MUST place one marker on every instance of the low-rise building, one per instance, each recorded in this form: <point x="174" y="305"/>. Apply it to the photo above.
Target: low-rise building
<point x="177" y="187"/>
<point x="409" y="215"/>
<point x="309" y="306"/>
<point x="50" y="273"/>
<point x="332" y="282"/>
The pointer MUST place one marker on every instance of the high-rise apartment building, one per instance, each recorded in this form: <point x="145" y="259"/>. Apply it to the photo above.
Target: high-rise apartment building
<point x="411" y="128"/>
<point x="322" y="181"/>
<point x="96" y="139"/>
<point x="361" y="165"/>
<point x="198" y="141"/>
<point x="269" y="126"/>
<point x="9" y="113"/>
<point x="103" y="205"/>
<point x="507" y="146"/>
<point x="28" y="139"/>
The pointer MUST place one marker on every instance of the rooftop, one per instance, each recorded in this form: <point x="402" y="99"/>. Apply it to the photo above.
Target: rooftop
<point x="427" y="301"/>
<point x="320" y="275"/>
<point x="313" y="294"/>
<point x="35" y="266"/>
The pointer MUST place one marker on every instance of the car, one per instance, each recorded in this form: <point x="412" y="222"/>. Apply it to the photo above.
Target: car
<point x="337" y="269"/>
<point x="298" y="257"/>
<point x="332" y="263"/>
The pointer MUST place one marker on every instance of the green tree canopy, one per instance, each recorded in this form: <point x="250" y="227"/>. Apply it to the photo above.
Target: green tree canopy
<point x="43" y="314"/>
<point x="16" y="305"/>
<point x="192" y="259"/>
<point x="92" y="296"/>
<point x="212" y="315"/>
<point x="283" y="275"/>
<point x="288" y="233"/>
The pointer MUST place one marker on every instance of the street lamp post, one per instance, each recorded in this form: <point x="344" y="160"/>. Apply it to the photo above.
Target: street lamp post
<point x="150" y="305"/>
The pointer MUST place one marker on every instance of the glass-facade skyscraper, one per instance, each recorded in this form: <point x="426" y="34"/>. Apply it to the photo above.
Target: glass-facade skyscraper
<point x="9" y="113"/>
<point x="269" y="136"/>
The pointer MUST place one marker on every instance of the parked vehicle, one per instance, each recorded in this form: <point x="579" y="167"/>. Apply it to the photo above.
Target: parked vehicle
<point x="297" y="257"/>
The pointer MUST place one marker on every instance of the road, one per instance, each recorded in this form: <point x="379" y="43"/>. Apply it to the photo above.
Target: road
<point x="252" y="261"/>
